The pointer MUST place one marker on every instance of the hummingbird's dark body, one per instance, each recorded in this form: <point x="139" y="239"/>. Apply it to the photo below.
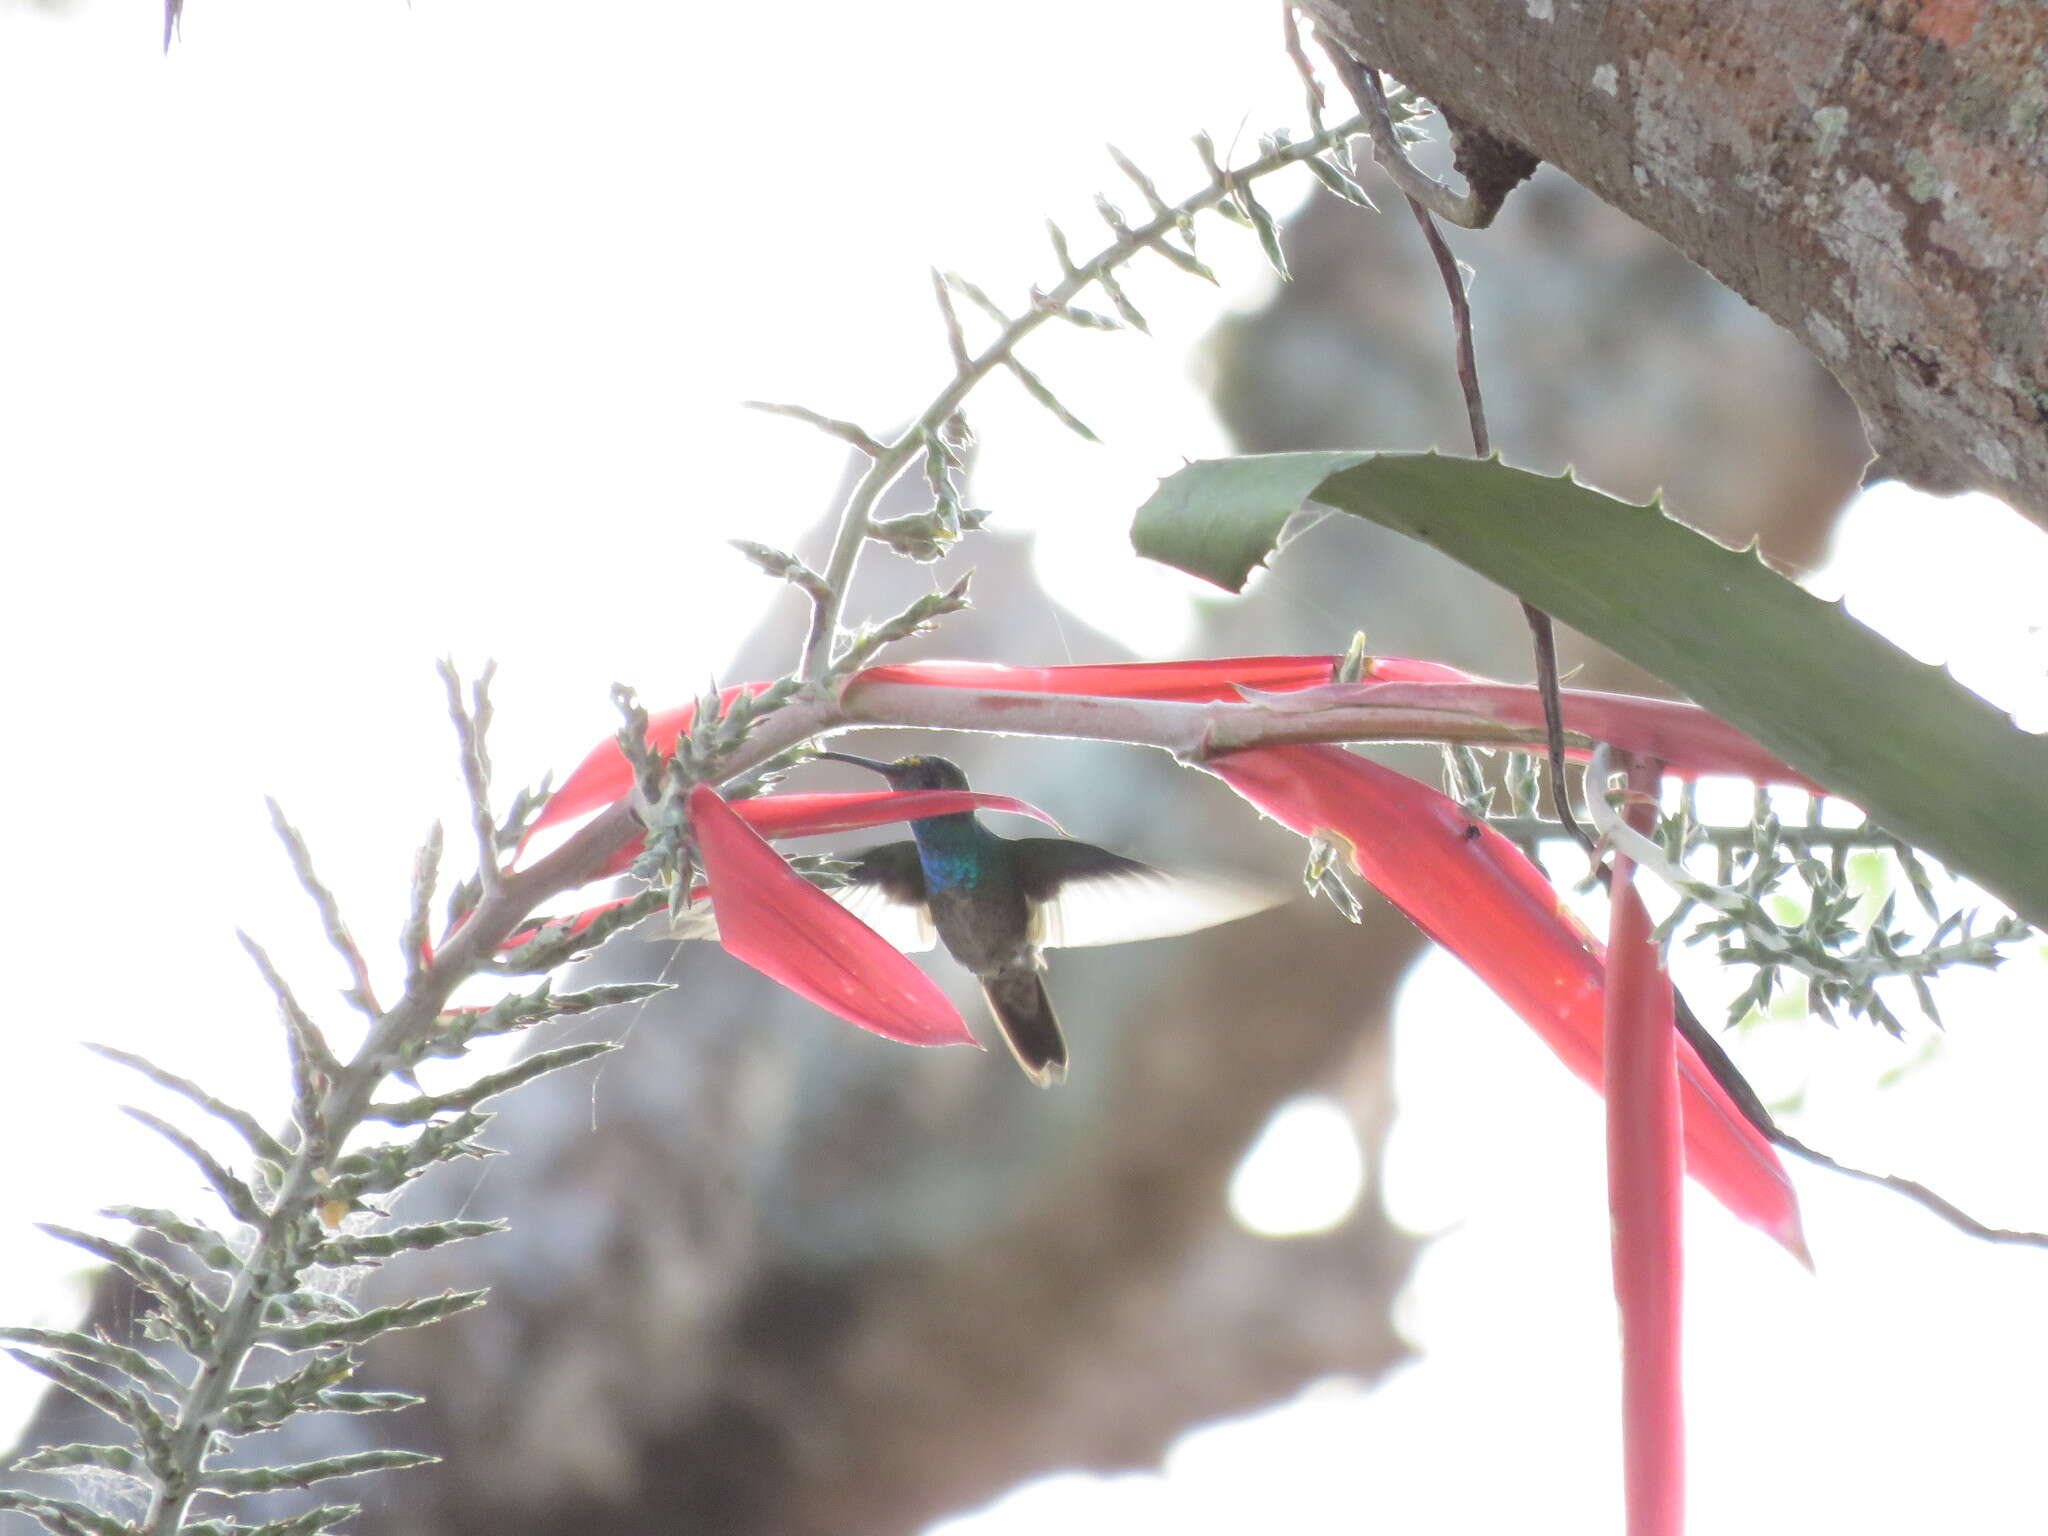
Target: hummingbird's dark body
<point x="996" y="901"/>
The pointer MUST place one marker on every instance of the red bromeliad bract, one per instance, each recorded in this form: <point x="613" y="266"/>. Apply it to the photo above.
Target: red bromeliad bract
<point x="1476" y="894"/>
<point x="776" y="921"/>
<point x="1644" y="1171"/>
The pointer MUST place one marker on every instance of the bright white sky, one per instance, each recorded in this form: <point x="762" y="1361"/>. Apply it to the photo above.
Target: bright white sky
<point x="349" y="336"/>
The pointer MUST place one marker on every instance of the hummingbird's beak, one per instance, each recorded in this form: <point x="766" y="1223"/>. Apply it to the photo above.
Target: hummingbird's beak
<point x="885" y="769"/>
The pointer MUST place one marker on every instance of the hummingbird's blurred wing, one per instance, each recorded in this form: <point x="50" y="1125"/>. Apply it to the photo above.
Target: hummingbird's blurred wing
<point x="885" y="890"/>
<point x="1082" y="895"/>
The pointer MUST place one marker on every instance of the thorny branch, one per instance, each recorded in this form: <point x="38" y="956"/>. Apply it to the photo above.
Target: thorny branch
<point x="897" y="456"/>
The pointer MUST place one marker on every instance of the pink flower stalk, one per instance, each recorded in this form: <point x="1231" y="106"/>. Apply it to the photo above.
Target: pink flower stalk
<point x="1205" y="681"/>
<point x="1685" y="738"/>
<point x="1643" y="1177"/>
<point x="776" y="921"/>
<point x="1476" y="894"/>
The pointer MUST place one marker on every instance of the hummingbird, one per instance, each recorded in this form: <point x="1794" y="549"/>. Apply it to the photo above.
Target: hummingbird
<point x="996" y="902"/>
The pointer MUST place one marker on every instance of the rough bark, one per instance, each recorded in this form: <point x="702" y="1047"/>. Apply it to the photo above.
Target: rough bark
<point x="1871" y="174"/>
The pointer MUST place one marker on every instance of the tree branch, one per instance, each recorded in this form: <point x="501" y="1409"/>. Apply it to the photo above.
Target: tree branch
<point x="1858" y="173"/>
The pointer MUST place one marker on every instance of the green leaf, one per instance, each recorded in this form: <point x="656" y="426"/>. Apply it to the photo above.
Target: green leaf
<point x="312" y="1522"/>
<point x="1926" y="758"/>
<point x="1269" y="233"/>
<point x="127" y="1407"/>
<point x="246" y="1125"/>
<point x="264" y="1407"/>
<point x="132" y="1363"/>
<point x="1038" y="390"/>
<point x="234" y="1193"/>
<point x="205" y="1244"/>
<point x="193" y="1317"/>
<point x="386" y="1166"/>
<point x="368" y="1325"/>
<point x="374" y="1247"/>
<point x="239" y="1480"/>
<point x="413" y="1111"/>
<point x="55" y="1458"/>
<point x="63" y="1516"/>
<point x="365" y="1402"/>
<point x="522" y="1011"/>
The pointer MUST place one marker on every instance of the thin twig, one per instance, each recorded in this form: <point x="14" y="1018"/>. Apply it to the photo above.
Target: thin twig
<point x="1466" y="210"/>
<point x="1364" y="85"/>
<point x="1737" y="1087"/>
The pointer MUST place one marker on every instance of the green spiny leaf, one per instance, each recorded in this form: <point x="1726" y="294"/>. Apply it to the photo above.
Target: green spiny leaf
<point x="125" y="1406"/>
<point x="349" y="1248"/>
<point x="1947" y="773"/>
<point x="956" y="338"/>
<point x="208" y="1246"/>
<point x="1060" y="248"/>
<point x="522" y="1011"/>
<point x="978" y="299"/>
<point x="251" y="1409"/>
<point x="240" y="1200"/>
<point x="369" y="1325"/>
<point x="1186" y="260"/>
<point x="1107" y="282"/>
<point x="132" y="1363"/>
<point x="1036" y="388"/>
<point x="1269" y="232"/>
<point x="193" y="1317"/>
<point x="417" y="934"/>
<point x="365" y="1402"/>
<point x="414" y="1111"/>
<point x="1333" y="176"/>
<point x="246" y="1125"/>
<point x="314" y="1522"/>
<point x="1075" y="315"/>
<point x="241" y="1480"/>
<point x="387" y="1166"/>
<point x="57" y="1458"/>
<point x="64" y="1517"/>
<point x="1140" y="180"/>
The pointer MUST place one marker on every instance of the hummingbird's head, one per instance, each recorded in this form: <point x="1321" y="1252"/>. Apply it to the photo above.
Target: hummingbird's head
<point x="909" y="772"/>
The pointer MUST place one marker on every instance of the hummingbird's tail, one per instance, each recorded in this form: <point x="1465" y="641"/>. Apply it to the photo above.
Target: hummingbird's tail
<point x="1024" y="1013"/>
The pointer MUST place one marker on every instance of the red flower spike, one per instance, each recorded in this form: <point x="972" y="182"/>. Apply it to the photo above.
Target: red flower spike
<point x="604" y="776"/>
<point x="776" y="921"/>
<point x="1192" y="682"/>
<point x="1476" y="894"/>
<point x="1643" y="1176"/>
